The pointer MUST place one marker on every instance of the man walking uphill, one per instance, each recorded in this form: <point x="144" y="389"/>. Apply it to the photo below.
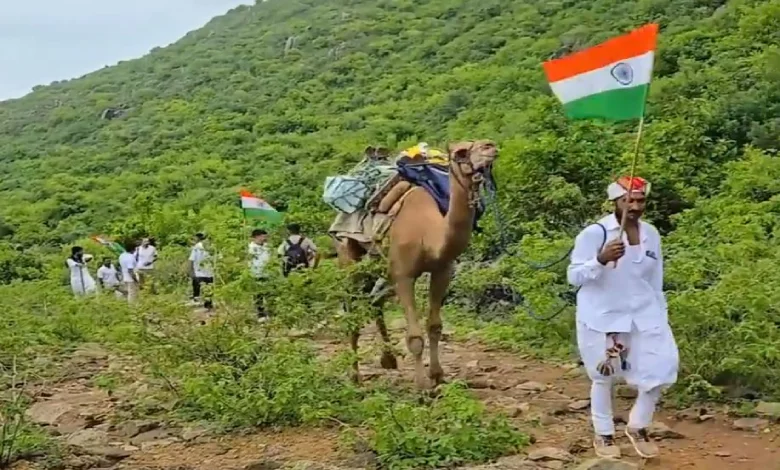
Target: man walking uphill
<point x="297" y="251"/>
<point x="622" y="323"/>
<point x="259" y="256"/>
<point x="201" y="271"/>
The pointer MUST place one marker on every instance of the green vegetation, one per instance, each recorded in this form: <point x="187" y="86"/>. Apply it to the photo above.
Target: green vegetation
<point x="276" y="96"/>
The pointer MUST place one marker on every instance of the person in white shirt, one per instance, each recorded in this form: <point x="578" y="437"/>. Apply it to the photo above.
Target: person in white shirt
<point x="622" y="321"/>
<point x="129" y="275"/>
<point x="259" y="256"/>
<point x="81" y="282"/>
<point x="201" y="271"/>
<point x="108" y="277"/>
<point x="145" y="256"/>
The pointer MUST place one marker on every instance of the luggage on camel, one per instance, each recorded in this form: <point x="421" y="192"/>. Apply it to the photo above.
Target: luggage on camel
<point x="368" y="198"/>
<point x="349" y="193"/>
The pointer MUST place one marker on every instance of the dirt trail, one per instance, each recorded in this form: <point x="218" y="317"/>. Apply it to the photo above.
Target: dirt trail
<point x="547" y="401"/>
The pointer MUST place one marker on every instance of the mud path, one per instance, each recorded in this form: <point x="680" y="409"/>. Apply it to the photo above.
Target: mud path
<point x="548" y="401"/>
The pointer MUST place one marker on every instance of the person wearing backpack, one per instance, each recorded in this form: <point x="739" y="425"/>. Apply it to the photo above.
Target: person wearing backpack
<point x="297" y="251"/>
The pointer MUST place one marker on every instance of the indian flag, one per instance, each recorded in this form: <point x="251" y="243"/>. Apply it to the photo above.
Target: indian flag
<point x="607" y="81"/>
<point x="111" y="245"/>
<point x="257" y="208"/>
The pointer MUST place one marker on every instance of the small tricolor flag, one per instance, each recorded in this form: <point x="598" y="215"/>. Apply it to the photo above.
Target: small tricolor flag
<point x="607" y="81"/>
<point x="111" y="245"/>
<point x="256" y="208"/>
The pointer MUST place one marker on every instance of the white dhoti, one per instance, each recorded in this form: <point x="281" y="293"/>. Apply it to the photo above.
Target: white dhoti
<point x="652" y="362"/>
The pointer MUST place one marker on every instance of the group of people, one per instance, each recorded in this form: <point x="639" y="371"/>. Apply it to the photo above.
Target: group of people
<point x="137" y="264"/>
<point x="622" y="320"/>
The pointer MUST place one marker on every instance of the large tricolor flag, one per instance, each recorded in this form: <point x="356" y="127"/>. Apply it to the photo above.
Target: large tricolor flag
<point x="108" y="243"/>
<point x="607" y="81"/>
<point x="256" y="208"/>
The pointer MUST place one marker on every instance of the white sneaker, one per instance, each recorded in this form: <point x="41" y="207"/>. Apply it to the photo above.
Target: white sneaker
<point x="641" y="442"/>
<point x="605" y="447"/>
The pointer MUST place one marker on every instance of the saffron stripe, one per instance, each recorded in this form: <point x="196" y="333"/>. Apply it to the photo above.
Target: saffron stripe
<point x="637" y="42"/>
<point x="601" y="80"/>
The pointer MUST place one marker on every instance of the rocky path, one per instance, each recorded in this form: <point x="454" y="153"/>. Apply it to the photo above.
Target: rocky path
<point x="550" y="402"/>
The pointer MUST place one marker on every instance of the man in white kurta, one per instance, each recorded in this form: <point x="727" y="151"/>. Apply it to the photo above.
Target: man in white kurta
<point x="621" y="307"/>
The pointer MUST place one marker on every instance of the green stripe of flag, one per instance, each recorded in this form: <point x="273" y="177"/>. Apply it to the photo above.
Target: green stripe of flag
<point x="617" y="105"/>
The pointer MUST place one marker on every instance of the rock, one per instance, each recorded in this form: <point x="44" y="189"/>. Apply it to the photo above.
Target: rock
<point x="606" y="464"/>
<point x="768" y="410"/>
<point x="624" y="391"/>
<point x="703" y="418"/>
<point x="552" y="465"/>
<point x="88" y="438"/>
<point x="47" y="413"/>
<point x="575" y="373"/>
<point x="520" y="409"/>
<point x="511" y="462"/>
<point x="580" y="446"/>
<point x="90" y="352"/>
<point x="155" y="444"/>
<point x="109" y="452"/>
<point x="548" y="420"/>
<point x="133" y="428"/>
<point x="192" y="433"/>
<point x="531" y="387"/>
<point x="659" y="431"/>
<point x="479" y="383"/>
<point x="750" y="424"/>
<point x="550" y="453"/>
<point x="723" y="453"/>
<point x="472" y="364"/>
<point x="148" y="436"/>
<point x="579" y="405"/>
<point x="263" y="465"/>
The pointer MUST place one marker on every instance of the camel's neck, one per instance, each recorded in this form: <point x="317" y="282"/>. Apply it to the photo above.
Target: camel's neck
<point x="460" y="217"/>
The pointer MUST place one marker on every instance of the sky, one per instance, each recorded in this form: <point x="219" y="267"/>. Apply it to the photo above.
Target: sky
<point x="42" y="41"/>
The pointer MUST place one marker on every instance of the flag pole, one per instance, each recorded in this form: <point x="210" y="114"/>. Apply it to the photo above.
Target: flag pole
<point x="631" y="180"/>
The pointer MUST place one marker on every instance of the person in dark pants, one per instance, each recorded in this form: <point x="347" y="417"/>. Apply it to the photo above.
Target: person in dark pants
<point x="201" y="271"/>
<point x="259" y="256"/>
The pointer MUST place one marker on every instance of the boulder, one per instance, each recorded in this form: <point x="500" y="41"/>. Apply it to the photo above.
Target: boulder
<point x="531" y="387"/>
<point x="768" y="409"/>
<point x="550" y="453"/>
<point x="88" y="438"/>
<point x="660" y="431"/>
<point x="46" y="413"/>
<point x="606" y="464"/>
<point x="750" y="424"/>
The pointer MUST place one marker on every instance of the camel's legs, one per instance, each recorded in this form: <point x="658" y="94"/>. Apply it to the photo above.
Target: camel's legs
<point x="404" y="287"/>
<point x="440" y="280"/>
<point x="353" y="343"/>
<point x="388" y="360"/>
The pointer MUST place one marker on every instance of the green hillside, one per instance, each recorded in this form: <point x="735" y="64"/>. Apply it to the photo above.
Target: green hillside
<point x="276" y="96"/>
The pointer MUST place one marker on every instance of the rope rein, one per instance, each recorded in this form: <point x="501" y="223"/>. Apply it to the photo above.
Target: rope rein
<point x="518" y="298"/>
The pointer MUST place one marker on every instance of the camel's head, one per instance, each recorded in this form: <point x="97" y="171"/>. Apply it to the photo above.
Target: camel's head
<point x="479" y="155"/>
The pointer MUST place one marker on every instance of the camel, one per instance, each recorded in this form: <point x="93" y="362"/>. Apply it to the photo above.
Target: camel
<point x="421" y="240"/>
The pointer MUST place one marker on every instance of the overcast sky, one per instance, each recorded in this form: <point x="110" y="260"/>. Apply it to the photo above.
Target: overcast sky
<point x="46" y="40"/>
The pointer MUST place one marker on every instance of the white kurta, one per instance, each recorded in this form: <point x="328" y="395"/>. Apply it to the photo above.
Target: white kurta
<point x="81" y="281"/>
<point x="628" y="300"/>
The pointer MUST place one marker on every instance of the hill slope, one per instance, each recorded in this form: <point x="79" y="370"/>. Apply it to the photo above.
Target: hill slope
<point x="279" y="95"/>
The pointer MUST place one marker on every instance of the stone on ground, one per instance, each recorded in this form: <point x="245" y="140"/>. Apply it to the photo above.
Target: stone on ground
<point x="531" y="387"/>
<point x="659" y="431"/>
<point x="768" y="409"/>
<point x="606" y="464"/>
<point x="750" y="424"/>
<point x="88" y="438"/>
<point x="550" y="453"/>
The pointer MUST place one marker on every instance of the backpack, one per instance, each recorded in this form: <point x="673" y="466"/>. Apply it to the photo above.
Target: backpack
<point x="294" y="257"/>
